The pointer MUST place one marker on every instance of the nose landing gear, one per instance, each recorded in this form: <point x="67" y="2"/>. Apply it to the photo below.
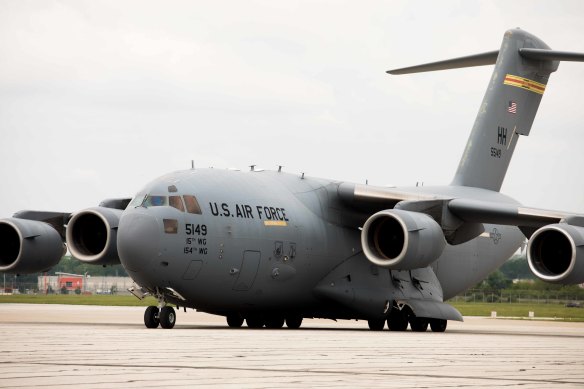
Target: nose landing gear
<point x="163" y="315"/>
<point x="167" y="317"/>
<point x="151" y="319"/>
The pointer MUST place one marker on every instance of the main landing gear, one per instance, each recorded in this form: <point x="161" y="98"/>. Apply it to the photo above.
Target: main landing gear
<point x="268" y="321"/>
<point x="165" y="317"/>
<point x="398" y="320"/>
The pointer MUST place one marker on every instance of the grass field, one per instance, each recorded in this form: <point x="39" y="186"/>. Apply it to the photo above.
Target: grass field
<point x="73" y="299"/>
<point x="556" y="311"/>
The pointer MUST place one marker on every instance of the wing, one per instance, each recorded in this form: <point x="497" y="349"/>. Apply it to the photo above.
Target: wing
<point x="57" y="220"/>
<point x="486" y="206"/>
<point x="425" y="217"/>
<point x="527" y="219"/>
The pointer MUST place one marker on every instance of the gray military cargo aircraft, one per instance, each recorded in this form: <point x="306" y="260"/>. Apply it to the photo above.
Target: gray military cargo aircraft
<point x="271" y="248"/>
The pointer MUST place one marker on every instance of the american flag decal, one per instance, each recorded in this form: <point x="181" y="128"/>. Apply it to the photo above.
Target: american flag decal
<point x="512" y="107"/>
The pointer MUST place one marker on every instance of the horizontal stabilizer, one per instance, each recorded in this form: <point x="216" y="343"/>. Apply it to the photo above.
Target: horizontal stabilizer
<point x="483" y="59"/>
<point x="551" y="55"/>
<point x="490" y="58"/>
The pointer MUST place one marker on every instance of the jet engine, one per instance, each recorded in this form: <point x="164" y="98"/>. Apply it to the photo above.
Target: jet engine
<point x="92" y="235"/>
<point x="402" y="240"/>
<point x="28" y="246"/>
<point x="555" y="253"/>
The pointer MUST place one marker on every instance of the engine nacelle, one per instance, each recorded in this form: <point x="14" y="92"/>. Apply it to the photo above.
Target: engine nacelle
<point x="555" y="253"/>
<point x="402" y="240"/>
<point x="92" y="235"/>
<point x="28" y="246"/>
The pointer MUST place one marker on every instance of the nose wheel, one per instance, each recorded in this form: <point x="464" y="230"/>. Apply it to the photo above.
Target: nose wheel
<point x="165" y="317"/>
<point x="151" y="319"/>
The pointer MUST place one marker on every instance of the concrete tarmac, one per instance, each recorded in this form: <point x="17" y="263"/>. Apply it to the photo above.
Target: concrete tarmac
<point x="59" y="346"/>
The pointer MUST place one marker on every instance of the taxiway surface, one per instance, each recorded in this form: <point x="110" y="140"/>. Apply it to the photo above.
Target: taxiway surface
<point x="58" y="346"/>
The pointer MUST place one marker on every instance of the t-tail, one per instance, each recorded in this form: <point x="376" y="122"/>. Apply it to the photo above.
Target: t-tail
<point x="522" y="69"/>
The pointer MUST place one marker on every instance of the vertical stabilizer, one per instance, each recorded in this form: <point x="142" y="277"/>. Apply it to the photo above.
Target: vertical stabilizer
<point x="507" y="111"/>
<point x="522" y="69"/>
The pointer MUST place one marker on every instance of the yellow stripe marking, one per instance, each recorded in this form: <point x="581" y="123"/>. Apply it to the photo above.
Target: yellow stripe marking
<point x="512" y="135"/>
<point x="275" y="223"/>
<point x="524" y="83"/>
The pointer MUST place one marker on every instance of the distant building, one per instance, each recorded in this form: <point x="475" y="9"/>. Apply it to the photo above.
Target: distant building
<point x="70" y="282"/>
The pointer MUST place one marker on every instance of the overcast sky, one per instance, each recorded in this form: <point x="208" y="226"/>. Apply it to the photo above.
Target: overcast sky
<point x="97" y="98"/>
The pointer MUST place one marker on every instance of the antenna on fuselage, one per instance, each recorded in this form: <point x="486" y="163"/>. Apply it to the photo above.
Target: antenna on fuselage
<point x="193" y="164"/>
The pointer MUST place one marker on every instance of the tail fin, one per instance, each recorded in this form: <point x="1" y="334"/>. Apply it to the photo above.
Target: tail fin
<point x="522" y="69"/>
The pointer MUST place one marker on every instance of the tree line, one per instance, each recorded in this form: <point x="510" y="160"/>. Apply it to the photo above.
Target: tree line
<point x="515" y="275"/>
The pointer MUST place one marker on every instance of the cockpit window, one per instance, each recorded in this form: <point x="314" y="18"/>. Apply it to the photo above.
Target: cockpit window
<point x="192" y="204"/>
<point x="155" y="201"/>
<point x="137" y="201"/>
<point x="170" y="226"/>
<point x="176" y="202"/>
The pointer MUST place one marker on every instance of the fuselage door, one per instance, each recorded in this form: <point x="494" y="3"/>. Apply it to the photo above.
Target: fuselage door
<point x="249" y="270"/>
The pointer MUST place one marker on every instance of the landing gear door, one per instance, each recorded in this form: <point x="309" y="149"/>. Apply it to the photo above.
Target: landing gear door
<point x="249" y="270"/>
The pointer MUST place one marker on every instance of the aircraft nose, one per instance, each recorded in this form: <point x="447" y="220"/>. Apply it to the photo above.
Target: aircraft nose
<point x="138" y="239"/>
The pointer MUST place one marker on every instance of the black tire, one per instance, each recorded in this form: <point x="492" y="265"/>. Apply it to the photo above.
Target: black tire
<point x="418" y="324"/>
<point x="294" y="322"/>
<point x="151" y="317"/>
<point x="234" y="321"/>
<point x="438" y="325"/>
<point x="167" y="317"/>
<point x="398" y="321"/>
<point x="254" y="321"/>
<point x="376" y="324"/>
<point x="275" y="322"/>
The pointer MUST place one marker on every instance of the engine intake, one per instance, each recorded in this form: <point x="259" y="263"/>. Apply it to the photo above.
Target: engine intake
<point x="555" y="253"/>
<point x="28" y="246"/>
<point x="92" y="235"/>
<point x="402" y="240"/>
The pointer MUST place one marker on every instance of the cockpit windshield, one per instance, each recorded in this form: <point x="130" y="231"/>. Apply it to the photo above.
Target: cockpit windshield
<point x="184" y="203"/>
<point x="155" y="201"/>
<point x="137" y="201"/>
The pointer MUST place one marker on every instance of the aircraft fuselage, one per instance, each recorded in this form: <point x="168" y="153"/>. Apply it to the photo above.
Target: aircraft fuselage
<point x="266" y="241"/>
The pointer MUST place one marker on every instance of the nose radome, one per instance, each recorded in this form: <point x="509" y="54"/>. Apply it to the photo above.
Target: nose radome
<point x="138" y="239"/>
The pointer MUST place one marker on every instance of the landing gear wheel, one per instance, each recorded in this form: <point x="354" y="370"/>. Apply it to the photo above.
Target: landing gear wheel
<point x="438" y="325"/>
<point x="234" y="321"/>
<point x="151" y="317"/>
<point x="398" y="321"/>
<point x="254" y="322"/>
<point x="376" y="324"/>
<point x="294" y="322"/>
<point x="274" y="322"/>
<point x="418" y="324"/>
<point x="167" y="317"/>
